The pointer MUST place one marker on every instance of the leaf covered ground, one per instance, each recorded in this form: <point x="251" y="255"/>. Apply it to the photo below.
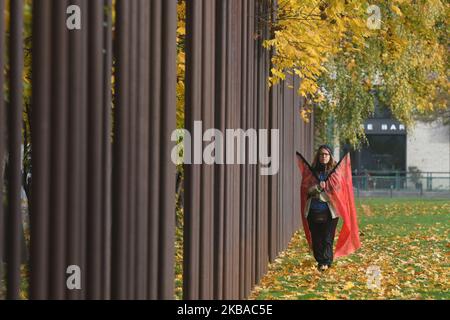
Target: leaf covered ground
<point x="406" y="240"/>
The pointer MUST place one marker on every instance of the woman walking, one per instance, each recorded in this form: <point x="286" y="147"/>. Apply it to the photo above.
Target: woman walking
<point x="326" y="196"/>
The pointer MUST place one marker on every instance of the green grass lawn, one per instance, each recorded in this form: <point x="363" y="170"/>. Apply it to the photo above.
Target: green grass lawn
<point x="407" y="239"/>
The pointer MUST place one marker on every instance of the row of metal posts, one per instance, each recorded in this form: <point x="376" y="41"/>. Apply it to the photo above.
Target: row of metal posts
<point x="103" y="183"/>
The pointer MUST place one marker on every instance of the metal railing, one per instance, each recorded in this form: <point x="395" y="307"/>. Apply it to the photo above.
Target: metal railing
<point x="401" y="182"/>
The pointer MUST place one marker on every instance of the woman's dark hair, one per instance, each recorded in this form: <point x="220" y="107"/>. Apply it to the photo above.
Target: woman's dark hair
<point x="330" y="165"/>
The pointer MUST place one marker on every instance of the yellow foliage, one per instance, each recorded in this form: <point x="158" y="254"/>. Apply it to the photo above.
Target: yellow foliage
<point x="308" y="32"/>
<point x="330" y="47"/>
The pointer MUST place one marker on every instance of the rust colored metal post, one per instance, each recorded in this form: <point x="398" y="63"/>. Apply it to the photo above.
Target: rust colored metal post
<point x="155" y="138"/>
<point x="168" y="170"/>
<point x="2" y="135"/>
<point x="14" y="212"/>
<point x="59" y="150"/>
<point x="120" y="155"/>
<point x="40" y="128"/>
<point x="94" y="182"/>
<point x="192" y="205"/>
<point x="142" y="159"/>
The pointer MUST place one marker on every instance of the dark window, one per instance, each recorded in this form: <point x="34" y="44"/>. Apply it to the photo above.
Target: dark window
<point x="384" y="153"/>
<point x="381" y="161"/>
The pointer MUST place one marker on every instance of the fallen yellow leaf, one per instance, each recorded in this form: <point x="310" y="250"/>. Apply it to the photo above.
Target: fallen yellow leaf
<point x="348" y="285"/>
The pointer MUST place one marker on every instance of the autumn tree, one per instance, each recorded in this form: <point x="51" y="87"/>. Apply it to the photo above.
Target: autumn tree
<point x="344" y="51"/>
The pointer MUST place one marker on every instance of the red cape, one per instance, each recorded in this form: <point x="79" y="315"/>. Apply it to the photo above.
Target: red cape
<point x="339" y="188"/>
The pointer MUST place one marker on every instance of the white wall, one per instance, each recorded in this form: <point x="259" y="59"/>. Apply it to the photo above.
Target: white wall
<point x="428" y="149"/>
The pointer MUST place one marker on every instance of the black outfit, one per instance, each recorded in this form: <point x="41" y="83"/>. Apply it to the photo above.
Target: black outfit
<point x="322" y="227"/>
<point x="322" y="235"/>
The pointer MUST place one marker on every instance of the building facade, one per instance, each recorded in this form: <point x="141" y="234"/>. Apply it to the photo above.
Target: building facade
<point x="402" y="158"/>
